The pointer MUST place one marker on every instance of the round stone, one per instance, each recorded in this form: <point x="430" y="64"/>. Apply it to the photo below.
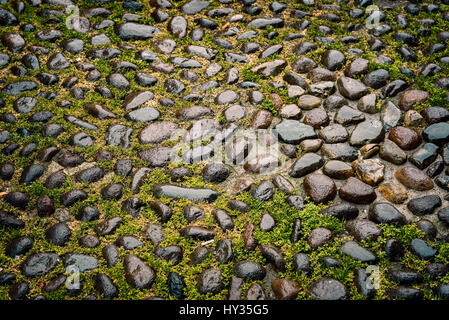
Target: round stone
<point x="405" y="138"/>
<point x="320" y="188"/>
<point x="327" y="289"/>
<point x="356" y="191"/>
<point x="414" y="178"/>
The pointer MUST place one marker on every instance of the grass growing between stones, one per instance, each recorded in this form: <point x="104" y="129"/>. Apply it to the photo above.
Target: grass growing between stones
<point x="284" y="214"/>
<point x="279" y="236"/>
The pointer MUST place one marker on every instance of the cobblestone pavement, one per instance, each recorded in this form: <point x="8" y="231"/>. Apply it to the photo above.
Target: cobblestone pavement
<point x="231" y="149"/>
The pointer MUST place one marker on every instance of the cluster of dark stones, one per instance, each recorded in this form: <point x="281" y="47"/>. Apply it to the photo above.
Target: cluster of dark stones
<point x="384" y="164"/>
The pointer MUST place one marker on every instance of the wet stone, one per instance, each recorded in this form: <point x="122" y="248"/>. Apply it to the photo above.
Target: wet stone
<point x="334" y="133"/>
<point x="363" y="229"/>
<point x="443" y="182"/>
<point x="350" y="88"/>
<point x="391" y="152"/>
<point x="223" y="251"/>
<point x="293" y="131"/>
<point x="435" y="114"/>
<point x="157" y="132"/>
<point x="199" y="254"/>
<point x="173" y="254"/>
<point x="362" y="283"/>
<point x="327" y="289"/>
<point x="405" y="138"/>
<point x="319" y="237"/>
<point x="308" y="102"/>
<point x="210" y="281"/>
<point x="320" y="188"/>
<point x="413" y="178"/>
<point x="267" y="222"/>
<point x="285" y="289"/>
<point x="39" y="264"/>
<point x="17" y="199"/>
<point x="81" y="261"/>
<point x="338" y="170"/>
<point x="391" y="116"/>
<point x="357" y="252"/>
<point x="223" y="219"/>
<point x="437" y="133"/>
<point x="105" y="286"/>
<point x="369" y="131"/>
<point x="274" y="256"/>
<point x="249" y="270"/>
<point x="393" y="192"/>
<point x="316" y="118"/>
<point x="262" y="164"/>
<point x="333" y="59"/>
<point x="135" y="31"/>
<point x="305" y="165"/>
<point x="309" y="145"/>
<point x="421" y="249"/>
<point x="138" y="274"/>
<point x="443" y="215"/>
<point x="197" y="233"/>
<point x="347" y="115"/>
<point x="19" y="246"/>
<point x="376" y="79"/>
<point x="383" y="212"/>
<point x="370" y="171"/>
<point x="339" y="151"/>
<point x="59" y="234"/>
<point x="356" y="191"/>
<point x="172" y="191"/>
<point x="412" y="97"/>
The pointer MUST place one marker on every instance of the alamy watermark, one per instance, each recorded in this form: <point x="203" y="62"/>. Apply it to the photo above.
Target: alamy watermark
<point x="373" y="279"/>
<point x="72" y="281"/>
<point x="74" y="21"/>
<point x="374" y="16"/>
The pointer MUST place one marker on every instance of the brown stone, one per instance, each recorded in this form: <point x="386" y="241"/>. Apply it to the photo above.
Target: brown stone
<point x="351" y="88"/>
<point x="157" y="132"/>
<point x="262" y="164"/>
<point x="240" y="185"/>
<point x="369" y="150"/>
<point x="393" y="192"/>
<point x="412" y="97"/>
<point x="357" y="67"/>
<point x="311" y="145"/>
<point x="414" y="178"/>
<point x="356" y="191"/>
<point x="234" y="113"/>
<point x="405" y="138"/>
<point x="308" y="102"/>
<point x="337" y="169"/>
<point x="390" y="152"/>
<point x="370" y="171"/>
<point x="363" y="229"/>
<point x="261" y="119"/>
<point x="320" y="188"/>
<point x="321" y="74"/>
<point x="248" y="237"/>
<point x="413" y="119"/>
<point x="291" y="111"/>
<point x="255" y="292"/>
<point x="276" y="100"/>
<point x="316" y="118"/>
<point x="285" y="289"/>
<point x="193" y="112"/>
